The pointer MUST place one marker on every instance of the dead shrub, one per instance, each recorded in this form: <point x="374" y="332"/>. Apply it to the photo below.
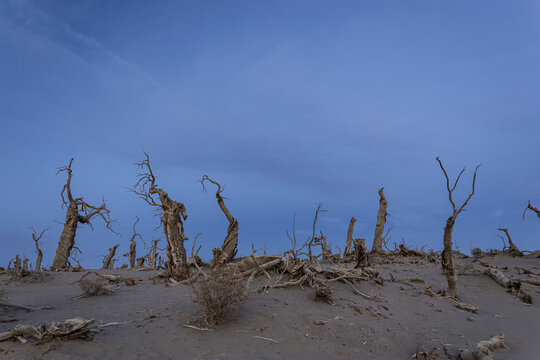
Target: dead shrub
<point x="217" y="294"/>
<point x="93" y="287"/>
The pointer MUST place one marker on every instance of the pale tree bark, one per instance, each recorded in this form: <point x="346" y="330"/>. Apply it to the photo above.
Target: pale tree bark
<point x="152" y="255"/>
<point x="349" y="245"/>
<point x="513" y="249"/>
<point x="36" y="238"/>
<point x="446" y="255"/>
<point x="107" y="261"/>
<point x="172" y="213"/>
<point x="381" y="220"/>
<point x="230" y="244"/>
<point x="75" y="206"/>
<point x="533" y="209"/>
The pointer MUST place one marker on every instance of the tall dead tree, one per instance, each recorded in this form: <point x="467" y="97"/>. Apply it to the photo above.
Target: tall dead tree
<point x="76" y="207"/>
<point x="107" y="264"/>
<point x="172" y="212"/>
<point x="532" y="208"/>
<point x="446" y="255"/>
<point x="229" y="246"/>
<point x="381" y="220"/>
<point x="512" y="249"/>
<point x="349" y="245"/>
<point x="36" y="238"/>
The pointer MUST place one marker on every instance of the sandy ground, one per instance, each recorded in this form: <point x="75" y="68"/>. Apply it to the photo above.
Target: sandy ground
<point x="355" y="328"/>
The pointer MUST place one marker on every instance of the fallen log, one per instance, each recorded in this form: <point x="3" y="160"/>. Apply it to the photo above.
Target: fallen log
<point x="484" y="349"/>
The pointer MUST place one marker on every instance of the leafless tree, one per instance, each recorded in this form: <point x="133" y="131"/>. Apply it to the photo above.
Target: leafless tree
<point x="381" y="220"/>
<point x="513" y="249"/>
<point x="229" y="246"/>
<point x="446" y="255"/>
<point x="36" y="238"/>
<point x="75" y="206"/>
<point x="314" y="240"/>
<point x="133" y="245"/>
<point x="532" y="208"/>
<point x="172" y="212"/>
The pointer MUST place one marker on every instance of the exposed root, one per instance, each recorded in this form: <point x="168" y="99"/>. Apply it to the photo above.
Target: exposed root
<point x="75" y="328"/>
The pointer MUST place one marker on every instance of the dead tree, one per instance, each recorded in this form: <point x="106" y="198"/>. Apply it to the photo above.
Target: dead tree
<point x="532" y="208"/>
<point x="349" y="245"/>
<point x="75" y="206"/>
<point x="513" y="249"/>
<point x="229" y="246"/>
<point x="107" y="261"/>
<point x="36" y="238"/>
<point x="315" y="240"/>
<point x="152" y="255"/>
<point x="172" y="212"/>
<point x="446" y="255"/>
<point x="360" y="253"/>
<point x="132" y="247"/>
<point x="381" y="220"/>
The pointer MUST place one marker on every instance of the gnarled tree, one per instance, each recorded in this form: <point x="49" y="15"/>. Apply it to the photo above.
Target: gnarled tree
<point x="172" y="212"/>
<point x="133" y="245"/>
<point x="36" y="238"/>
<point x="228" y="248"/>
<point x="78" y="212"/>
<point x="108" y="261"/>
<point x="381" y="220"/>
<point x="446" y="255"/>
<point x="512" y="248"/>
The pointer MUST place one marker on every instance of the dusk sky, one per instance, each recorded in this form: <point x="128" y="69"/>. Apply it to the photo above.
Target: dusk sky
<point x="285" y="103"/>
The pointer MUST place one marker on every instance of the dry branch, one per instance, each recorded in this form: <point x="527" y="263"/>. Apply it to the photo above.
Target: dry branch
<point x="75" y="328"/>
<point x="36" y="238"/>
<point x="513" y="249"/>
<point x="107" y="261"/>
<point x="532" y="208"/>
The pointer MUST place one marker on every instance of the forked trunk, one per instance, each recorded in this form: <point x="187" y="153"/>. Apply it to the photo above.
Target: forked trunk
<point x="446" y="258"/>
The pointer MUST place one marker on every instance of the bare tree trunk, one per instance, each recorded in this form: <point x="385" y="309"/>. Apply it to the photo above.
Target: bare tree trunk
<point x="446" y="255"/>
<point x="75" y="206"/>
<point x="67" y="238"/>
<point x="132" y="254"/>
<point x="349" y="246"/>
<point x="140" y="262"/>
<point x="513" y="248"/>
<point x="229" y="246"/>
<point x="152" y="255"/>
<point x="172" y="214"/>
<point x="381" y="220"/>
<point x="327" y="253"/>
<point x="360" y="253"/>
<point x="108" y="258"/>
<point x="446" y="258"/>
<point x="36" y="238"/>
<point x="25" y="264"/>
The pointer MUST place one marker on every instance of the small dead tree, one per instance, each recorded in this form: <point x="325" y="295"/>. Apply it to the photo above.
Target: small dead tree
<point x="132" y="247"/>
<point x="152" y="255"/>
<point x="75" y="206"/>
<point x="107" y="261"/>
<point x="349" y="245"/>
<point x="381" y="220"/>
<point x="36" y="238"/>
<point x="532" y="208"/>
<point x="446" y="255"/>
<point x="315" y="240"/>
<point x="172" y="212"/>
<point x="513" y="249"/>
<point x="229" y="246"/>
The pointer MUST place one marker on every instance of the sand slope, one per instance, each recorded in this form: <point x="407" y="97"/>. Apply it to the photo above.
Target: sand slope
<point x="355" y="327"/>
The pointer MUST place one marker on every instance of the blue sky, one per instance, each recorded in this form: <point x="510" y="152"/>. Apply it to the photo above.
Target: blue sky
<point x="286" y="103"/>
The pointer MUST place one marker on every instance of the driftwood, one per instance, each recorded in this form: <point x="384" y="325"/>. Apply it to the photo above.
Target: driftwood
<point x="484" y="349"/>
<point x="513" y="286"/>
<point x="75" y="328"/>
<point x="446" y="255"/>
<point x="381" y="220"/>
<point x="107" y="261"/>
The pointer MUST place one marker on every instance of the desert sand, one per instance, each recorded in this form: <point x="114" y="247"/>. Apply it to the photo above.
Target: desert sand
<point x="146" y="321"/>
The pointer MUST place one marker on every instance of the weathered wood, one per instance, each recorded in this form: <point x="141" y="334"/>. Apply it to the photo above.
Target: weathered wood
<point x="513" y="249"/>
<point x="349" y="245"/>
<point x="360" y="253"/>
<point x="229" y="246"/>
<point x="36" y="238"/>
<point x="484" y="349"/>
<point x="108" y="258"/>
<point x="381" y="220"/>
